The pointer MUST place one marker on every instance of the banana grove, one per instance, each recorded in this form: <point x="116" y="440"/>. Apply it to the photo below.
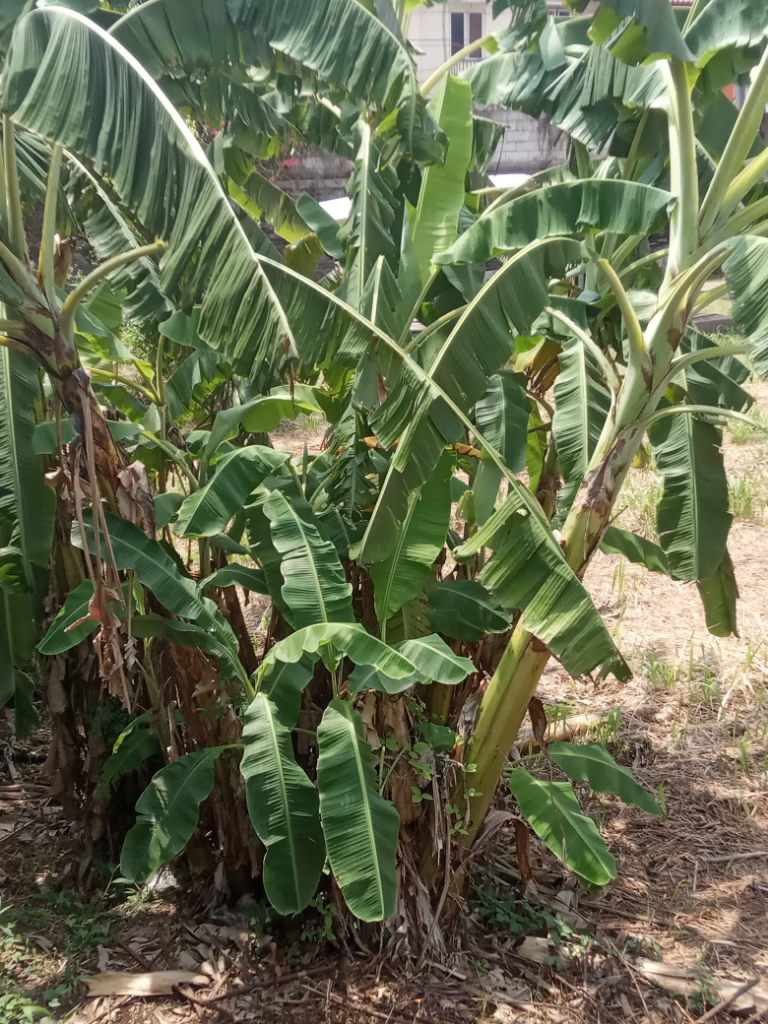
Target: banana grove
<point x="421" y="570"/>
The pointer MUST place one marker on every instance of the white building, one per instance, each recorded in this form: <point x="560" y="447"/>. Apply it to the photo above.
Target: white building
<point x="442" y="30"/>
<point x="445" y="28"/>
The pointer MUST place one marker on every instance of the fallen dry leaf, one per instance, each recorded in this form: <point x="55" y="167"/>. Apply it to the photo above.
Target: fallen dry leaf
<point x="687" y="982"/>
<point x="149" y="983"/>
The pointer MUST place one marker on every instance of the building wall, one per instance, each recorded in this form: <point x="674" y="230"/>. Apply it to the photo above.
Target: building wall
<point x="527" y="145"/>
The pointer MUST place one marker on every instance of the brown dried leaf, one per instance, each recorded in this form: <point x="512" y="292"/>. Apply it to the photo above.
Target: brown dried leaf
<point x="523" y="847"/>
<point x="538" y="718"/>
<point x="134" y="497"/>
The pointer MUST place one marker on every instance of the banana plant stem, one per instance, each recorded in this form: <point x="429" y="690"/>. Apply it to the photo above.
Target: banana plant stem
<point x="638" y="353"/>
<point x="696" y="410"/>
<point x="78" y="293"/>
<point x="46" y="258"/>
<point x="684" y="235"/>
<point x="16" y="235"/>
<point x="644" y="261"/>
<point x="96" y="371"/>
<point x="716" y="352"/>
<point x="612" y="379"/>
<point x="631" y="161"/>
<point x="455" y="59"/>
<point x="739" y="143"/>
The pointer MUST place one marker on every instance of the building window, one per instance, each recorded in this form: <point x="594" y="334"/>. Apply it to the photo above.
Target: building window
<point x="466" y="28"/>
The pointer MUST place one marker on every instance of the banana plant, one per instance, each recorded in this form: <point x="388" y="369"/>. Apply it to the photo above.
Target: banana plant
<point x="385" y="622"/>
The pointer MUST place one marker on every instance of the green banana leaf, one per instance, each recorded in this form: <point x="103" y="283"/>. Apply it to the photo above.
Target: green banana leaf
<point x="692" y="517"/>
<point x="131" y="751"/>
<point x="528" y="572"/>
<point x="403" y="575"/>
<point x="433" y="661"/>
<point x="237" y="575"/>
<point x="477" y="347"/>
<point x="351" y="639"/>
<point x="502" y="417"/>
<point x="582" y="403"/>
<point x="348" y="47"/>
<point x="314" y="585"/>
<point x="168" y="811"/>
<point x="207" y="511"/>
<point x="112" y="116"/>
<point x="571" y="207"/>
<point x="27" y="504"/>
<point x="655" y="33"/>
<point x="187" y="634"/>
<point x="60" y="636"/>
<point x="464" y="610"/>
<point x="283" y="683"/>
<point x="591" y="762"/>
<point x="361" y="828"/>
<point x="441" y="196"/>
<point x="284" y="808"/>
<point x="259" y="416"/>
<point x="635" y="549"/>
<point x="166" y="507"/>
<point x="746" y="271"/>
<point x="154" y="567"/>
<point x="719" y="593"/>
<point x="555" y="816"/>
<point x="366" y="234"/>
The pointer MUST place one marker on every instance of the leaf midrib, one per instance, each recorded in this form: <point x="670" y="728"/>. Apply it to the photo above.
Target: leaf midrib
<point x="284" y="794"/>
<point x="14" y="462"/>
<point x="350" y="727"/>
<point x="307" y="547"/>
<point x="413" y="500"/>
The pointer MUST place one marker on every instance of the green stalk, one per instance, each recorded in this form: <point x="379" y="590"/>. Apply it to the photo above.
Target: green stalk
<point x="95" y="371"/>
<point x="684" y="225"/>
<point x="696" y="410"/>
<point x="365" y="149"/>
<point x="619" y="253"/>
<point x="644" y="261"/>
<point x="503" y="708"/>
<point x="631" y="161"/>
<point x="700" y="356"/>
<point x="76" y="296"/>
<point x="405" y="335"/>
<point x="46" y="259"/>
<point x="739" y="144"/>
<point x="159" y="382"/>
<point x="710" y="296"/>
<point x="175" y="456"/>
<point x="752" y="174"/>
<point x="3" y="198"/>
<point x="583" y="165"/>
<point x="457" y="57"/>
<point x="611" y="377"/>
<point x="430" y="329"/>
<point x="16" y="236"/>
<point x="639" y="359"/>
